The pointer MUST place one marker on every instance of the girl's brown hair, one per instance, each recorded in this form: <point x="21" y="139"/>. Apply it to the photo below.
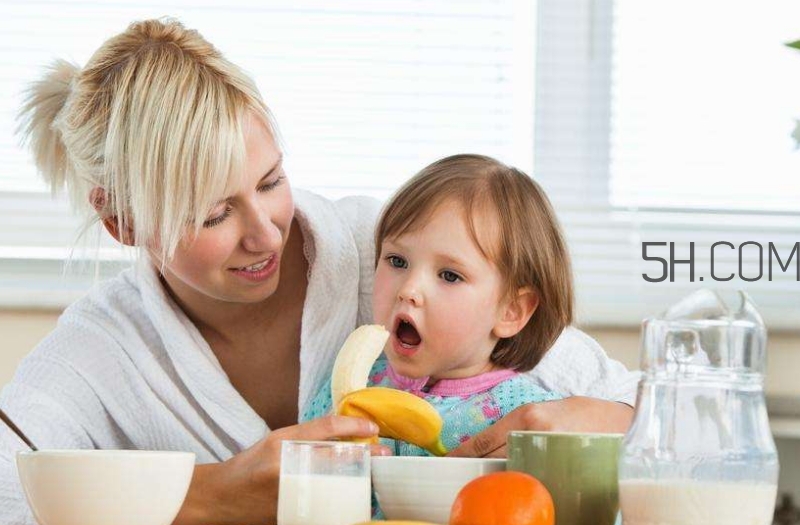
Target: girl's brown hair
<point x="529" y="250"/>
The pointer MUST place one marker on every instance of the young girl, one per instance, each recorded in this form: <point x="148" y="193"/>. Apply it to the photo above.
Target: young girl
<point x="473" y="282"/>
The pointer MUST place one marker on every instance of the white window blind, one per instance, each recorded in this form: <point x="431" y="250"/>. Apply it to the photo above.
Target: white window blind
<point x="704" y="105"/>
<point x="636" y="136"/>
<point x="671" y="122"/>
<point x="365" y="94"/>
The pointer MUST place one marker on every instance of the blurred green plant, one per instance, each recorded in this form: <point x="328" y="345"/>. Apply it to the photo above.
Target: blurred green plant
<point x="796" y="131"/>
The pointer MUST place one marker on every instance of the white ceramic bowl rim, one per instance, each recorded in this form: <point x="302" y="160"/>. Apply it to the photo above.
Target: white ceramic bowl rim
<point x="102" y="452"/>
<point x="557" y="433"/>
<point x="423" y="459"/>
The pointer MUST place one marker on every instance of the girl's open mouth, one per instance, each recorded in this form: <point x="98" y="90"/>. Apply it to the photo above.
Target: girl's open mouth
<point x="406" y="338"/>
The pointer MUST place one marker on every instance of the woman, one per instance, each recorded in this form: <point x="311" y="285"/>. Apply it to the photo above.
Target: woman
<point x="245" y="291"/>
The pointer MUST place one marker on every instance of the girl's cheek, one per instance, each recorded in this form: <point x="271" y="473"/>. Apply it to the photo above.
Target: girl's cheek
<point x="381" y="296"/>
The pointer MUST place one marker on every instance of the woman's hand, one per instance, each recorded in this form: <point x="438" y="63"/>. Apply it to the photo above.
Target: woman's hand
<point x="573" y="414"/>
<point x="244" y="489"/>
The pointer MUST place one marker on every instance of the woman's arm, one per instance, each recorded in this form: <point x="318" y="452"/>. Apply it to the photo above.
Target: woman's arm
<point x="244" y="489"/>
<point x="573" y="414"/>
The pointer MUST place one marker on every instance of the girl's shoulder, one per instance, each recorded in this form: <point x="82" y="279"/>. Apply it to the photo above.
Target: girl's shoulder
<point x="520" y="390"/>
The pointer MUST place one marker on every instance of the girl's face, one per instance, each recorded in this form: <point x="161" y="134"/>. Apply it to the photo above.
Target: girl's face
<point x="236" y="256"/>
<point x="439" y="297"/>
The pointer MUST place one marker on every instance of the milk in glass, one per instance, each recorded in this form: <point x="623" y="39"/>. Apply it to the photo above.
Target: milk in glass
<point x="324" y="483"/>
<point x="323" y="500"/>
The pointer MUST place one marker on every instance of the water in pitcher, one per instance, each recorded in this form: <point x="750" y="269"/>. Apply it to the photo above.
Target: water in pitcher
<point x="700" y="450"/>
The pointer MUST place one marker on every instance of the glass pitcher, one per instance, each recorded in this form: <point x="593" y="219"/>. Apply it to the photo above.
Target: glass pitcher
<point x="700" y="450"/>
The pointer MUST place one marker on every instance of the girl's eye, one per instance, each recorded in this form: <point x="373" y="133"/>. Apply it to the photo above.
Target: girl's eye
<point x="271" y="185"/>
<point x="396" y="261"/>
<point x="210" y="223"/>
<point x="450" y="277"/>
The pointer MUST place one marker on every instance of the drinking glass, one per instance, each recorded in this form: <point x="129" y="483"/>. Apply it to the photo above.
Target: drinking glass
<point x="324" y="483"/>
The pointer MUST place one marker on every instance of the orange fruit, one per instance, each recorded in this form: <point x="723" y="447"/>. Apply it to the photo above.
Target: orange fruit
<point x="503" y="498"/>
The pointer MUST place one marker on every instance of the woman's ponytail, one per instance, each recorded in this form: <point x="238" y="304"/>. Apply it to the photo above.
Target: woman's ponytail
<point x="39" y="121"/>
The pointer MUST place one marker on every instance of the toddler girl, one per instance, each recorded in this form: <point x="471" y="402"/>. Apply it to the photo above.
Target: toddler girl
<point x="473" y="283"/>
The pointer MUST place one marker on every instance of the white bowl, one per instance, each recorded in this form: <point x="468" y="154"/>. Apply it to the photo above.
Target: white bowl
<point x="424" y="488"/>
<point x="104" y="487"/>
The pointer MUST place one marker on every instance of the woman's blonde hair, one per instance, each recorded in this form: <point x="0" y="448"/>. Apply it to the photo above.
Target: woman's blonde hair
<point x="155" y="119"/>
<point x="529" y="249"/>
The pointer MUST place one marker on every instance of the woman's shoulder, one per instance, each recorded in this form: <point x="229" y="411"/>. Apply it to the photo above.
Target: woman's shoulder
<point x="360" y="210"/>
<point x="111" y="312"/>
<point x="577" y="364"/>
<point x="357" y="212"/>
<point x="108" y="300"/>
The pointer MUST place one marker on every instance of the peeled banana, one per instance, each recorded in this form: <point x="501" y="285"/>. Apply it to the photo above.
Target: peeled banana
<point x="355" y="359"/>
<point x="399" y="415"/>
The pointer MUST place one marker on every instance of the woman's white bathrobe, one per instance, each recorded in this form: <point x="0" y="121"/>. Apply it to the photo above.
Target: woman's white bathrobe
<point x="126" y="369"/>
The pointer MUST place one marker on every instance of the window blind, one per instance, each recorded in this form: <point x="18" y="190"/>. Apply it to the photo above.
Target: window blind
<point x="365" y="94"/>
<point x="601" y="152"/>
<point x="705" y="119"/>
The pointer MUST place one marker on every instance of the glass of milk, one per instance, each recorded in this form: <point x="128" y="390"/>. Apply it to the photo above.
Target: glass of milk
<point x="324" y="483"/>
<point x="700" y="450"/>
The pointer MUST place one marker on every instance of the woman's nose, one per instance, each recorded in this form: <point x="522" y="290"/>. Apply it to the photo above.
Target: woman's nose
<point x="260" y="233"/>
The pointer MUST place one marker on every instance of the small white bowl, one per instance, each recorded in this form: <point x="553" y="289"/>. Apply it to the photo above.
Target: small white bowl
<point x="103" y="487"/>
<point x="424" y="488"/>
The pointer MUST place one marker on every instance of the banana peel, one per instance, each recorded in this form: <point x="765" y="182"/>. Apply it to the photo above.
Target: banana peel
<point x="398" y="414"/>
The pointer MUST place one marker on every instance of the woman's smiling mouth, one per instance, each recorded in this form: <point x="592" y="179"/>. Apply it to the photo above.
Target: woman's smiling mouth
<point x="259" y="271"/>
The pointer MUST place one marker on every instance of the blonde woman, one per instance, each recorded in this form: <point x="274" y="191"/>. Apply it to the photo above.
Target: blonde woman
<point x="245" y="290"/>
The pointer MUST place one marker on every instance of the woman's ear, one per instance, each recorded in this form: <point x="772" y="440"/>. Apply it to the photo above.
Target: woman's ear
<point x="516" y="313"/>
<point x="97" y="197"/>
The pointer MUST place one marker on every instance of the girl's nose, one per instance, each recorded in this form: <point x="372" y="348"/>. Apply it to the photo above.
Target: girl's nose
<point x="410" y="292"/>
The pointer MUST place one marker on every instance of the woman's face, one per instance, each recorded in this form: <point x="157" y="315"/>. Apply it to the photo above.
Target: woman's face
<point x="236" y="256"/>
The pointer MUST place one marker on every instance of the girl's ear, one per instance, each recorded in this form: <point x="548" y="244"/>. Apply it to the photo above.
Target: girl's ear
<point x="516" y="313"/>
<point x="97" y="197"/>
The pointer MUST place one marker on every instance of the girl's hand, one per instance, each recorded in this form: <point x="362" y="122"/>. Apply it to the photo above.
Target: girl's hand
<point x="244" y="489"/>
<point x="573" y="414"/>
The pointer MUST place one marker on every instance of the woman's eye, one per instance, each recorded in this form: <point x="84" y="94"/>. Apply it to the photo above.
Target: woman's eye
<point x="210" y="223"/>
<point x="396" y="262"/>
<point x="271" y="185"/>
<point x="450" y="277"/>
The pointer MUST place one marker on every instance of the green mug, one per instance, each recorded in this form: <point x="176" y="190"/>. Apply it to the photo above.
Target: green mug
<point x="579" y="470"/>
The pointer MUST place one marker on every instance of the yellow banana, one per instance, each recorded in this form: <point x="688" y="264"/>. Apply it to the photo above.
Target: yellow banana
<point x="398" y="414"/>
<point x="355" y="359"/>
